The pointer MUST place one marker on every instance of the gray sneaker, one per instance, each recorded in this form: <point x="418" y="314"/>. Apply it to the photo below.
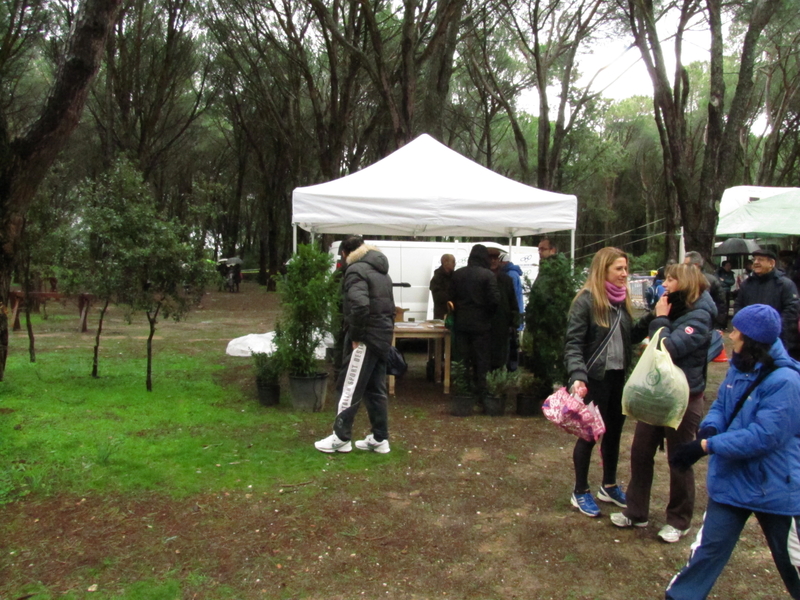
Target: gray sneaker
<point x="373" y="445"/>
<point x="620" y="520"/>
<point x="671" y="534"/>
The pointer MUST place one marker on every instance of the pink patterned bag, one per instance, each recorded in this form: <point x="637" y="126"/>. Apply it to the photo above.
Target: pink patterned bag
<point x="573" y="416"/>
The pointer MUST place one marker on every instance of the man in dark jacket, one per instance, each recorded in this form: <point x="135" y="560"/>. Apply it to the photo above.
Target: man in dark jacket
<point x="475" y="297"/>
<point x="368" y="313"/>
<point x="441" y="284"/>
<point x="767" y="285"/>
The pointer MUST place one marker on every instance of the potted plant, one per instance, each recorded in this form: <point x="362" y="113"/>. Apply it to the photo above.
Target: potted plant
<point x="267" y="378"/>
<point x="531" y="392"/>
<point x="499" y="383"/>
<point x="307" y="291"/>
<point x="460" y="388"/>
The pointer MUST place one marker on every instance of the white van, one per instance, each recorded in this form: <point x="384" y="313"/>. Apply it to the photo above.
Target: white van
<point x="413" y="263"/>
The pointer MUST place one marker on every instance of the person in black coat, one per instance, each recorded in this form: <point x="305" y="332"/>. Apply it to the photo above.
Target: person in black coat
<point x="368" y="312"/>
<point x="767" y="285"/>
<point x="441" y="285"/>
<point x="475" y="300"/>
<point x="686" y="314"/>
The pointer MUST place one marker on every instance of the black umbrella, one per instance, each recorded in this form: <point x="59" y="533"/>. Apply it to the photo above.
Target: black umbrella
<point x="736" y="246"/>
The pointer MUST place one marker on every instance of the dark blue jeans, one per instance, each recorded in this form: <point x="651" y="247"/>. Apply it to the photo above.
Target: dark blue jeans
<point x="722" y="526"/>
<point x="370" y="389"/>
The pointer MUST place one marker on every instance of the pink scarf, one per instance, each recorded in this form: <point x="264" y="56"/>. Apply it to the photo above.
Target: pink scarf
<point x="616" y="294"/>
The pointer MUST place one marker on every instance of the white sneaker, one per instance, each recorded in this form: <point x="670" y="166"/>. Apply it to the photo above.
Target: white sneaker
<point x="670" y="534"/>
<point x="620" y="520"/>
<point x="332" y="443"/>
<point x="370" y="443"/>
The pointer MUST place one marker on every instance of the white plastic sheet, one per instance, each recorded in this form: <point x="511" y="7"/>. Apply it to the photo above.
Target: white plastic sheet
<point x="263" y="342"/>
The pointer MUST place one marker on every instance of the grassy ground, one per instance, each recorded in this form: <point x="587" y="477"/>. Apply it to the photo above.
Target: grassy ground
<point x="197" y="491"/>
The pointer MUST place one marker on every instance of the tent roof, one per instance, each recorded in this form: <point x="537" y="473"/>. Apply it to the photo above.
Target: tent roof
<point x="740" y="195"/>
<point x="427" y="189"/>
<point x="777" y="215"/>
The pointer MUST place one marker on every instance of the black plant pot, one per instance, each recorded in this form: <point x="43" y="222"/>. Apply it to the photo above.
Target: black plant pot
<point x="269" y="392"/>
<point x="308" y="392"/>
<point x="462" y="405"/>
<point x="529" y="405"/>
<point x="494" y="406"/>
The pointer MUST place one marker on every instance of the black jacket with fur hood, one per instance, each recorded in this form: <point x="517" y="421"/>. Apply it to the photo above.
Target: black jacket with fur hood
<point x="368" y="300"/>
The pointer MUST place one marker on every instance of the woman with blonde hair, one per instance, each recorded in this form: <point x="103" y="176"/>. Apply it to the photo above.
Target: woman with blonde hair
<point x="686" y="312"/>
<point x="597" y="353"/>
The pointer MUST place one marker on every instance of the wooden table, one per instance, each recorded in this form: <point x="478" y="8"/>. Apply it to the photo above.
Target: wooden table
<point x="430" y="331"/>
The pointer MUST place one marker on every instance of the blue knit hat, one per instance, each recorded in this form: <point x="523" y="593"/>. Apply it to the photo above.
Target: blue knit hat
<point x="759" y="322"/>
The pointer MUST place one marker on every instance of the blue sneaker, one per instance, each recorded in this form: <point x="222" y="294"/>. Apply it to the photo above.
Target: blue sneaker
<point x="586" y="504"/>
<point x="615" y="495"/>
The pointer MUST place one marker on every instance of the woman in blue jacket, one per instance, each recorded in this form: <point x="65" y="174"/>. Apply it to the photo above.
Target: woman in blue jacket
<point x="685" y="315"/>
<point x="752" y="433"/>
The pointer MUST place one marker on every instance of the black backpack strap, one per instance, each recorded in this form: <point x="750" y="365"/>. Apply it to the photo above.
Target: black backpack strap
<point x="755" y="383"/>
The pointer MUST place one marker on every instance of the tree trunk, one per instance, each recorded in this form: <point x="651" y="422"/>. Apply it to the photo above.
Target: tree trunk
<point x="31" y="339"/>
<point x="26" y="160"/>
<point x="96" y="357"/>
<point x="722" y="135"/>
<point x="152" y="319"/>
<point x="439" y="71"/>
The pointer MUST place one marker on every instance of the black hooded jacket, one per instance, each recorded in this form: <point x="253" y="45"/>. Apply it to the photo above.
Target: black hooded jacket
<point x="475" y="293"/>
<point x="368" y="300"/>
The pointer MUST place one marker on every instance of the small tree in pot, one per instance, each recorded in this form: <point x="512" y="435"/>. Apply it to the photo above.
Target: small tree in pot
<point x="308" y="291"/>
<point x="460" y="387"/>
<point x="531" y="394"/>
<point x="500" y="383"/>
<point x="267" y="378"/>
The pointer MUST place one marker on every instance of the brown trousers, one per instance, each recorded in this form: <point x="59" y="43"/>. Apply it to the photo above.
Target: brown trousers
<point x="646" y="440"/>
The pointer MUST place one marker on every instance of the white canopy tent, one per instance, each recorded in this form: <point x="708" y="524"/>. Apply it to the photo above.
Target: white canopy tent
<point x="426" y="189"/>
<point x="776" y="215"/>
<point x="741" y="195"/>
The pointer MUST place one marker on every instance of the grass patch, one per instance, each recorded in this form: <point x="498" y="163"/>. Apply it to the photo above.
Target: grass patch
<point x="67" y="432"/>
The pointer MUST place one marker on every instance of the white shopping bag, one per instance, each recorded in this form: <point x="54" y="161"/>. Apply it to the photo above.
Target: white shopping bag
<point x="657" y="391"/>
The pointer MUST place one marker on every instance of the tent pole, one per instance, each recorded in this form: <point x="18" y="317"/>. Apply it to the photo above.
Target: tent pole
<point x="294" y="238"/>
<point x="572" y="248"/>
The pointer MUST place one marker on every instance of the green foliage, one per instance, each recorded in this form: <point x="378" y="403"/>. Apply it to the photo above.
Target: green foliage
<point x="121" y="248"/>
<point x="527" y="383"/>
<point x="645" y="262"/>
<point x="502" y="381"/>
<point x="546" y="317"/>
<point x="308" y="293"/>
<point x="109" y="237"/>
<point x="460" y="384"/>
<point x="266" y="366"/>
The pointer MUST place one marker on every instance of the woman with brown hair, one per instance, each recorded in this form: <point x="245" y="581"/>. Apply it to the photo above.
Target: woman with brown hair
<point x="597" y="353"/>
<point x="686" y="313"/>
